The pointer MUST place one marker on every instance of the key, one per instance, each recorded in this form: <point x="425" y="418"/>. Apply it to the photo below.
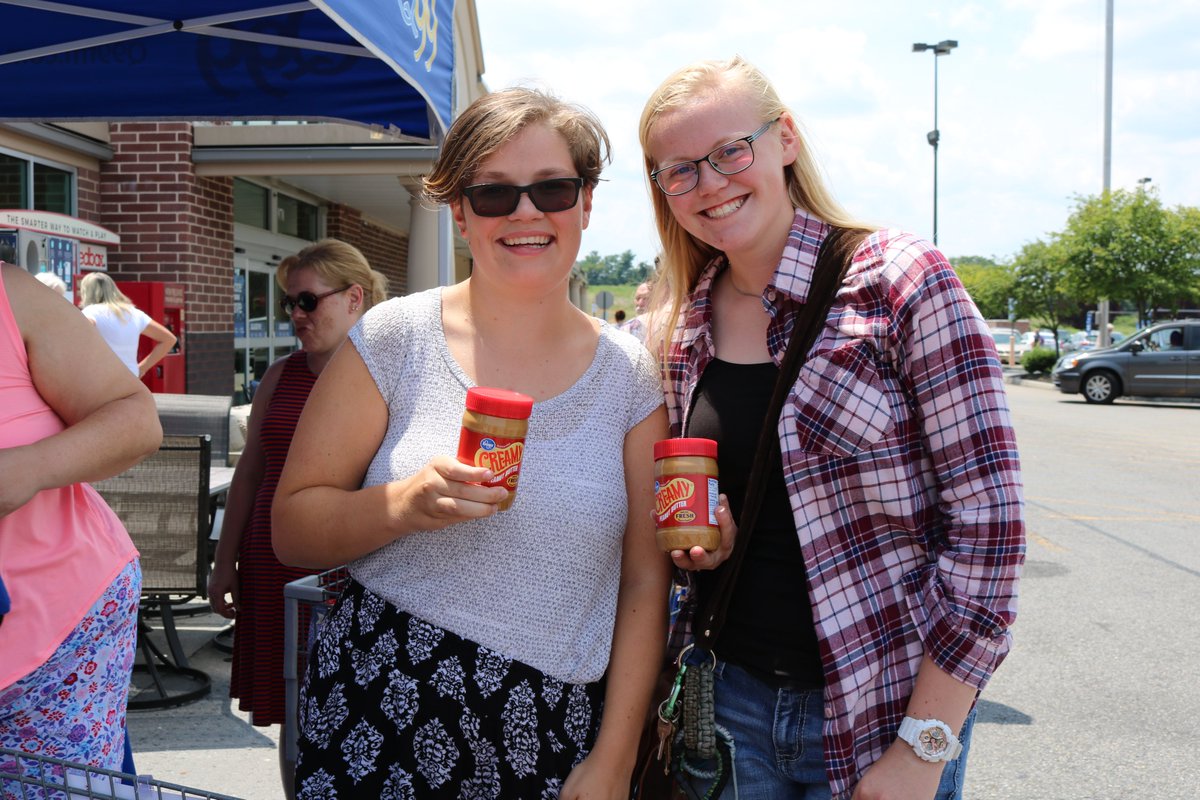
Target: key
<point x="666" y="735"/>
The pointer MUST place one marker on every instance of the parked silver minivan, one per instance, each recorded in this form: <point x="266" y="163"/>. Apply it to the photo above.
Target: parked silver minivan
<point x="1162" y="360"/>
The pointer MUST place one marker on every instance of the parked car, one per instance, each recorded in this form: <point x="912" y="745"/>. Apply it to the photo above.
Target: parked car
<point x="1160" y="361"/>
<point x="1043" y="338"/>
<point x="1008" y="340"/>
<point x="1085" y="340"/>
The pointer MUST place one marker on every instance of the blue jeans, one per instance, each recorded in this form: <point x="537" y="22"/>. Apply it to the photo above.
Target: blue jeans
<point x="779" y="752"/>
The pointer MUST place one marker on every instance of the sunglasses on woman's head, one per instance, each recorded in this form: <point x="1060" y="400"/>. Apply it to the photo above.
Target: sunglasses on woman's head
<point x="306" y="301"/>
<point x="502" y="199"/>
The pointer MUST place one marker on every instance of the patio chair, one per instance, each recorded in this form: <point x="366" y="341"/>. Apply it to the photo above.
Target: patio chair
<point x="190" y="414"/>
<point x="164" y="503"/>
<point x="197" y="413"/>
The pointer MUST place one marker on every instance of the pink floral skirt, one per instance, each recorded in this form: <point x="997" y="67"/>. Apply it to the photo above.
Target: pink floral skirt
<point x="73" y="706"/>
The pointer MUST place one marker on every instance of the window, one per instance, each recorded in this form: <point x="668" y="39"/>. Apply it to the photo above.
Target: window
<point x="251" y="204"/>
<point x="257" y="206"/>
<point x="297" y="218"/>
<point x="36" y="185"/>
<point x="262" y="333"/>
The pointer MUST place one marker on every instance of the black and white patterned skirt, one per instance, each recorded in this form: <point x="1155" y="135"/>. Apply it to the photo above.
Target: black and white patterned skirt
<point x="394" y="707"/>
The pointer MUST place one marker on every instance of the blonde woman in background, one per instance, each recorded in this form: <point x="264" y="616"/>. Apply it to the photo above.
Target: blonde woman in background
<point x="121" y="323"/>
<point x="329" y="285"/>
<point x="53" y="281"/>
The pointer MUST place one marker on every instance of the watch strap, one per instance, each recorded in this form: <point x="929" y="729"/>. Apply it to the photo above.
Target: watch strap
<point x="911" y="729"/>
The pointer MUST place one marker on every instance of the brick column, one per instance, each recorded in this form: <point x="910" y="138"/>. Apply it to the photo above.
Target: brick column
<point x="178" y="228"/>
<point x="386" y="251"/>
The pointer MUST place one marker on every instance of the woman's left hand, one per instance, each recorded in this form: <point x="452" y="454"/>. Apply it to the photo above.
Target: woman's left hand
<point x="698" y="558"/>
<point x="18" y="483"/>
<point x="899" y="774"/>
<point x="593" y="780"/>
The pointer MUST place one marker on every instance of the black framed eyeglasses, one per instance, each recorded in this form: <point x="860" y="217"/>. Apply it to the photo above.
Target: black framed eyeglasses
<point x="306" y="301"/>
<point x="728" y="159"/>
<point x="502" y="199"/>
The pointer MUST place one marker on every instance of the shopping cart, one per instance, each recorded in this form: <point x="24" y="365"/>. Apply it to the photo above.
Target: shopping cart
<point x="26" y="776"/>
<point x="306" y="602"/>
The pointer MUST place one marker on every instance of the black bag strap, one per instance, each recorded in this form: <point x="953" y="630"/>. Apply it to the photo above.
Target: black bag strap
<point x="833" y="260"/>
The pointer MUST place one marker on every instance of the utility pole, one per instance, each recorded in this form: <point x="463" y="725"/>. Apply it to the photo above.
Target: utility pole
<point x="1102" y="338"/>
<point x="942" y="48"/>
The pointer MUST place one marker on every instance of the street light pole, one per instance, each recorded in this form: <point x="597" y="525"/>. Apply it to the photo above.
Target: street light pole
<point x="942" y="48"/>
<point x="1102" y="304"/>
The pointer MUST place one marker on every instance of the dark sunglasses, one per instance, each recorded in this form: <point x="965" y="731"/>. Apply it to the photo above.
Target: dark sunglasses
<point x="502" y="199"/>
<point x="306" y="301"/>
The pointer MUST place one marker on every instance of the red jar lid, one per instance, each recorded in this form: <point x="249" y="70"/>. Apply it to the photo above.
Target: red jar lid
<point x="669" y="448"/>
<point x="499" y="402"/>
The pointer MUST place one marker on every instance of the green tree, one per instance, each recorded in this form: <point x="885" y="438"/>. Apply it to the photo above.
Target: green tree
<point x="613" y="270"/>
<point x="989" y="284"/>
<point x="1041" y="287"/>
<point x="1125" y="246"/>
<point x="1188" y="218"/>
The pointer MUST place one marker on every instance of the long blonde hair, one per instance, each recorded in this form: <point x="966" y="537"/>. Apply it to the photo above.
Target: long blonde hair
<point x="684" y="256"/>
<point x="98" y="288"/>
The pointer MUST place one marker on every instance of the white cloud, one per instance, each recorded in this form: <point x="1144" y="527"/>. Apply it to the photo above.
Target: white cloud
<point x="1020" y="100"/>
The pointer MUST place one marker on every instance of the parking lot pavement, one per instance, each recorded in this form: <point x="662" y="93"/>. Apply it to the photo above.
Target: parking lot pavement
<point x="208" y="744"/>
<point x="1019" y="377"/>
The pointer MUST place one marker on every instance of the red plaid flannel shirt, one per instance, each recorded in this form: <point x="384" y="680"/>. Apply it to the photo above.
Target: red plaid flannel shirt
<point x="902" y="467"/>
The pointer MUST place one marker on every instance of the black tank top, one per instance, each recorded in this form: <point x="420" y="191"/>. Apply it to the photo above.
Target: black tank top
<point x="769" y="628"/>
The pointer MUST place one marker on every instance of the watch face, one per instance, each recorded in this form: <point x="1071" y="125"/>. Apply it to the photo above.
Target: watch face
<point x="933" y="740"/>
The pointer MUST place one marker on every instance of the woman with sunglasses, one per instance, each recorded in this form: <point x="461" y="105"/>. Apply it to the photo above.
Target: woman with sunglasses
<point x="879" y="582"/>
<point x="466" y="657"/>
<point x="328" y="286"/>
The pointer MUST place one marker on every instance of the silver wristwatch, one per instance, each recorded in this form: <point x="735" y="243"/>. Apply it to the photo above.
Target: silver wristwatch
<point x="931" y="739"/>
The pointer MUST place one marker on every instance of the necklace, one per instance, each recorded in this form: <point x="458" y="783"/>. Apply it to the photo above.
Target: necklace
<point x="738" y="289"/>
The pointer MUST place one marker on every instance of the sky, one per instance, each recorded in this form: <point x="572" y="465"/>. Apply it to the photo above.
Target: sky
<point x="1020" y="101"/>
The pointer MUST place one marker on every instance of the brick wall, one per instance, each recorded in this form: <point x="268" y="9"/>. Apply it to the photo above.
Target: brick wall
<point x="386" y="251"/>
<point x="87" y="195"/>
<point x="175" y="227"/>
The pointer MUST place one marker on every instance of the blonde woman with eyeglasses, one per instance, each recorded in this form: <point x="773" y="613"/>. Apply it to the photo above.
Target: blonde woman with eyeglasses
<point x="879" y="583"/>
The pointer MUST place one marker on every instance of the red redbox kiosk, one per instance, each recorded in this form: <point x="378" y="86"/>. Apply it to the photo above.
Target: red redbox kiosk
<point x="163" y="302"/>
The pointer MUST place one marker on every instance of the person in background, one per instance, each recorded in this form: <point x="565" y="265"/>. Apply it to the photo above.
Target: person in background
<point x="69" y="413"/>
<point x="880" y="582"/>
<point x="53" y="281"/>
<point x="327" y="287"/>
<point x="467" y="656"/>
<point x="121" y="323"/>
<point x="619" y="317"/>
<point x="641" y="304"/>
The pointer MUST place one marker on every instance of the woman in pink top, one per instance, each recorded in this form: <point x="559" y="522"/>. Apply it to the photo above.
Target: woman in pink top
<point x="69" y="413"/>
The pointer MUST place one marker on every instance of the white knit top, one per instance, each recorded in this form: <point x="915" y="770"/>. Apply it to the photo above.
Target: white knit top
<point x="537" y="582"/>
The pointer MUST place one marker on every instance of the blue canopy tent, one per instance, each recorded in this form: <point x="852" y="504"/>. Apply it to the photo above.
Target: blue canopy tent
<point x="387" y="63"/>
<point x="375" y="62"/>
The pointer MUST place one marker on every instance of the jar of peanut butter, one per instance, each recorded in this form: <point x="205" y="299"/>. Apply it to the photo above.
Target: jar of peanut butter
<point x="685" y="494"/>
<point x="493" y="435"/>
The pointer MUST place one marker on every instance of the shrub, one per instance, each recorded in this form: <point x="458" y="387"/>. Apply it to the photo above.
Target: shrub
<point x="1039" y="359"/>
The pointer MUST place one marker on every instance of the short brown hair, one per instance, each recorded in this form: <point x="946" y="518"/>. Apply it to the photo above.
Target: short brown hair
<point x="494" y="119"/>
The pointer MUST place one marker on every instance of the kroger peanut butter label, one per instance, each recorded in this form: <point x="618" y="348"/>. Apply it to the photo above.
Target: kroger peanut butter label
<point x="501" y="456"/>
<point x="685" y="500"/>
